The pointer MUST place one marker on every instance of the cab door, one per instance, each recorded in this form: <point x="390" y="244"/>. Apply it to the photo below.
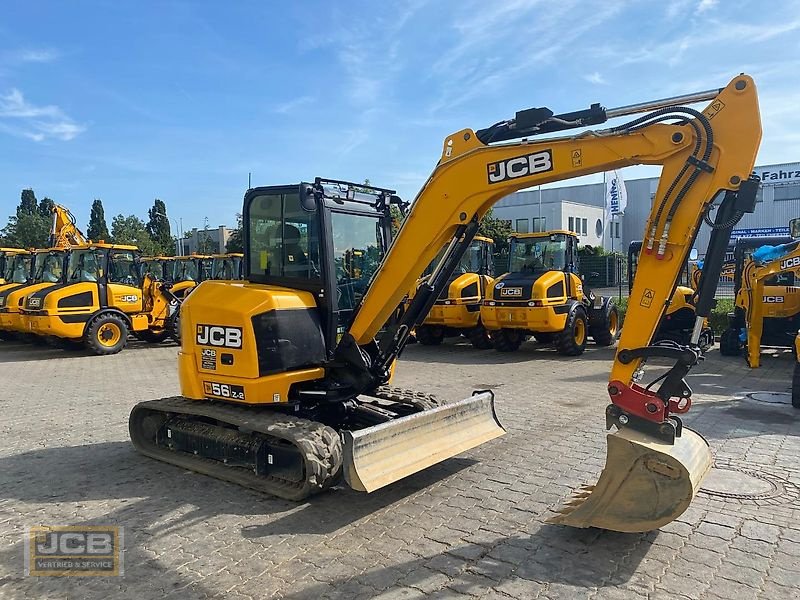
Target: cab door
<point x="123" y="282"/>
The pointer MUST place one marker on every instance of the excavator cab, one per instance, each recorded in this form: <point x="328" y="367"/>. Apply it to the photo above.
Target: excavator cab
<point x="457" y="309"/>
<point x="11" y="270"/>
<point x="188" y="272"/>
<point x="543" y="295"/>
<point x="158" y="268"/>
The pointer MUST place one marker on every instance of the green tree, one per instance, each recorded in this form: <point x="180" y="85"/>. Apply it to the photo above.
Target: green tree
<point x="28" y="228"/>
<point x="132" y="230"/>
<point x="46" y="207"/>
<point x="497" y="229"/>
<point x="27" y="203"/>
<point x="158" y="227"/>
<point x="98" y="229"/>
<point x="236" y="240"/>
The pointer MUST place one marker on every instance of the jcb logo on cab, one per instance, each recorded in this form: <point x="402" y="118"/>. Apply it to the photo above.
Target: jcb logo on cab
<point x="773" y="299"/>
<point x="520" y="166"/>
<point x="217" y="335"/>
<point x="790" y="263"/>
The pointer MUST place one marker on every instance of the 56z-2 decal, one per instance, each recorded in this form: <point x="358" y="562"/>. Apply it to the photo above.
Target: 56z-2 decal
<point x="223" y="390"/>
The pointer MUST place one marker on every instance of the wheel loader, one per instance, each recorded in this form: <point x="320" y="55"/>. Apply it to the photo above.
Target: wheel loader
<point x="157" y="267"/>
<point x="48" y="270"/>
<point x="227" y="266"/>
<point x="103" y="298"/>
<point x="19" y="270"/>
<point x="283" y="379"/>
<point x="457" y="309"/>
<point x="188" y="271"/>
<point x="6" y="260"/>
<point x="680" y="316"/>
<point x="767" y="311"/>
<point x="543" y="295"/>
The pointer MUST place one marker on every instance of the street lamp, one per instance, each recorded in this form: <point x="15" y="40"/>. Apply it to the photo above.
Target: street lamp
<point x="177" y="231"/>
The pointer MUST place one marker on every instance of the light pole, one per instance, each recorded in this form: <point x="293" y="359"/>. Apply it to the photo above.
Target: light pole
<point x="177" y="231"/>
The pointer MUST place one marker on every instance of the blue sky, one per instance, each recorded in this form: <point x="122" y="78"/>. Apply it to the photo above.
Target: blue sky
<point x="129" y="101"/>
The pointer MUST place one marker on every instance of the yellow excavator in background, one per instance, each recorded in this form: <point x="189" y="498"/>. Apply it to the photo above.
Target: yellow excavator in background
<point x="543" y="295"/>
<point x="275" y="398"/>
<point x="679" y="318"/>
<point x="767" y="304"/>
<point x="457" y="309"/>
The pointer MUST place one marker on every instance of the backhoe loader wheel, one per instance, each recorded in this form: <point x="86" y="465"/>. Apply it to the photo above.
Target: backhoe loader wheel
<point x="572" y="340"/>
<point x="107" y="334"/>
<point x="605" y="328"/>
<point x="479" y="337"/>
<point x="729" y="344"/>
<point x="507" y="340"/>
<point x="544" y="337"/>
<point x="796" y="386"/>
<point x="430" y="335"/>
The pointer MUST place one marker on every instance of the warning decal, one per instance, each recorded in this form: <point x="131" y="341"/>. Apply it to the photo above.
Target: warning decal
<point x="577" y="158"/>
<point x="647" y="297"/>
<point x="716" y="106"/>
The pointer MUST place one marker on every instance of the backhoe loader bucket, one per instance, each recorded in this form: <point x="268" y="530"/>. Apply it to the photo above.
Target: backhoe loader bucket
<point x="380" y="455"/>
<point x="645" y="483"/>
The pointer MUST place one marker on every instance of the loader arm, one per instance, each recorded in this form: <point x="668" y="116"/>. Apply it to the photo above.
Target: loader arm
<point x="702" y="155"/>
<point x="64" y="233"/>
<point x="764" y="263"/>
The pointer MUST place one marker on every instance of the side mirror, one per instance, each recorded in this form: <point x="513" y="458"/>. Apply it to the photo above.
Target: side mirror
<point x="308" y="197"/>
<point x="794" y="228"/>
<point x="693" y="254"/>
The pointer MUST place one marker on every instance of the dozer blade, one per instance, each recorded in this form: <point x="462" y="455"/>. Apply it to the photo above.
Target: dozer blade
<point x="645" y="483"/>
<point x="380" y="455"/>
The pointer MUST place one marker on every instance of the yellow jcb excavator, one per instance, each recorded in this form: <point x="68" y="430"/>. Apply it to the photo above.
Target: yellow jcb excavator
<point x="274" y="399"/>
<point x="6" y="260"/>
<point x="457" y="310"/>
<point x="767" y="308"/>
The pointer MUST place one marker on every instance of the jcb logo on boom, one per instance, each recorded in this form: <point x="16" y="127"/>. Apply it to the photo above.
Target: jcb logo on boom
<point x="790" y="263"/>
<point x="216" y="335"/>
<point x="520" y="166"/>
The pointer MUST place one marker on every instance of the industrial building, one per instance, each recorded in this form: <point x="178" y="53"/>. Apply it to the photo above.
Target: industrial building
<point x="204" y="241"/>
<point x="581" y="209"/>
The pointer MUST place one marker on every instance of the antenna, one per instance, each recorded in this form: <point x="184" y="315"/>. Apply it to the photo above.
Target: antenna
<point x="249" y="187"/>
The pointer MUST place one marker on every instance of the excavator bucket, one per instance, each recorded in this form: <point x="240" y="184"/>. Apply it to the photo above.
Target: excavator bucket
<point x="645" y="483"/>
<point x="380" y="455"/>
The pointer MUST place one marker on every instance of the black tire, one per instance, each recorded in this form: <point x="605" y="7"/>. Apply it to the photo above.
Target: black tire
<point x="729" y="344"/>
<point x="544" y="337"/>
<point x="572" y="340"/>
<point x="604" y="329"/>
<point x="479" y="338"/>
<point x="107" y="334"/>
<point x="153" y="337"/>
<point x="6" y="336"/>
<point x="508" y="340"/>
<point x="430" y="335"/>
<point x="796" y="386"/>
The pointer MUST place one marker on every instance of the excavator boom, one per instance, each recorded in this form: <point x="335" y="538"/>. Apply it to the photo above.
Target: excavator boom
<point x="704" y="156"/>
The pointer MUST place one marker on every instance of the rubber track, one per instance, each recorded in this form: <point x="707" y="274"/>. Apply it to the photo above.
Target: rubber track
<point x="318" y="444"/>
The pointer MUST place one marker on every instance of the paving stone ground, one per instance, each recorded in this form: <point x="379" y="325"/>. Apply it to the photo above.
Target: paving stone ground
<point x="473" y="526"/>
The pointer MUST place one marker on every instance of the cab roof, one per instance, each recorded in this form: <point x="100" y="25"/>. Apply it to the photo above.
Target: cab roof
<point x="481" y="238"/>
<point x="539" y="234"/>
<point x="14" y="251"/>
<point x="149" y="258"/>
<point x="104" y="245"/>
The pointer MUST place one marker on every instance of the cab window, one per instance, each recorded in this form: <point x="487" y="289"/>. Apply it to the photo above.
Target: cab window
<point x="283" y="238"/>
<point x="122" y="269"/>
<point x="84" y="266"/>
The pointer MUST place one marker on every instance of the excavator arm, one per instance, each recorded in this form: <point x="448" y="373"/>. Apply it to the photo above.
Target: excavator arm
<point x="704" y="156"/>
<point x="64" y="233"/>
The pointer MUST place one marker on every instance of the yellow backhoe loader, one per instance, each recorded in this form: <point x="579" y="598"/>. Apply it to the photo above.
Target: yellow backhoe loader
<point x="457" y="309"/>
<point x="104" y="297"/>
<point x="680" y="316"/>
<point x="767" y="309"/>
<point x="275" y="399"/>
<point x="543" y="295"/>
<point x="188" y="271"/>
<point x="227" y="267"/>
<point x="157" y="267"/>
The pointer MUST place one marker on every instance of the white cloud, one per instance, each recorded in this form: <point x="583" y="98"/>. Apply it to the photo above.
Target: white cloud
<point x="292" y="105"/>
<point x="38" y="123"/>
<point x="40" y="55"/>
<point x="595" y="78"/>
<point x="706" y="5"/>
